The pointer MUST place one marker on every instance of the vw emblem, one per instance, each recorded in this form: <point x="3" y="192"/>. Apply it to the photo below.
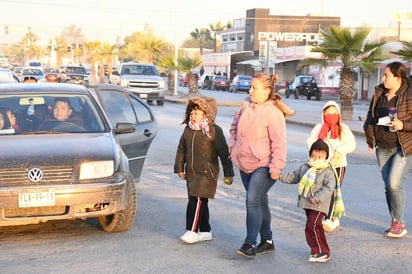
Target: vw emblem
<point x="35" y="174"/>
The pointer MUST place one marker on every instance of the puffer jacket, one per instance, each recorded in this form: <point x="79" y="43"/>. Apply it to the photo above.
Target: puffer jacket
<point x="198" y="156"/>
<point x="323" y="188"/>
<point x="258" y="137"/>
<point x="342" y="146"/>
<point x="404" y="113"/>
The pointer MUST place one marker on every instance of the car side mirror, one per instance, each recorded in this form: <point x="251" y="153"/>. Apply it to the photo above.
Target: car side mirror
<point x="124" y="127"/>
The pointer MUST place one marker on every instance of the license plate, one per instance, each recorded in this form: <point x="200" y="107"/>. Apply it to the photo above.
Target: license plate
<point x="143" y="95"/>
<point x="38" y="197"/>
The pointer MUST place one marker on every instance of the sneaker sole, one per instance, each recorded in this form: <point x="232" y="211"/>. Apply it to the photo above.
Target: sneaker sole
<point x="240" y="253"/>
<point x="391" y="235"/>
<point x="265" y="251"/>
<point x="319" y="260"/>
<point x="186" y="242"/>
<point x="205" y="239"/>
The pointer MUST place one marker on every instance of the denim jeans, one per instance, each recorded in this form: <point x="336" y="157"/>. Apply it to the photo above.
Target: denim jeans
<point x="258" y="218"/>
<point x="393" y="166"/>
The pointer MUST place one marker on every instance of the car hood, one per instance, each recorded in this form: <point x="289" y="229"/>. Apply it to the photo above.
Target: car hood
<point x="55" y="149"/>
<point x="76" y="74"/>
<point x="141" y="77"/>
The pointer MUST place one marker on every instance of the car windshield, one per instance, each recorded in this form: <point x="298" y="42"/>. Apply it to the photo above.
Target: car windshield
<point x="139" y="70"/>
<point x="79" y="70"/>
<point x="41" y="113"/>
<point x="32" y="71"/>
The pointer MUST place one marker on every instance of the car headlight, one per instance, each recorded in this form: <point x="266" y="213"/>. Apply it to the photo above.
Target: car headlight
<point x="97" y="169"/>
<point x="124" y="83"/>
<point x="162" y="84"/>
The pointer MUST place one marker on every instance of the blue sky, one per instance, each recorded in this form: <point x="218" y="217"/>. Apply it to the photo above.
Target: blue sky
<point x="174" y="19"/>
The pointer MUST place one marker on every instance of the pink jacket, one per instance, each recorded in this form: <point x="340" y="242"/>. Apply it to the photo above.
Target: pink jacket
<point x="258" y="137"/>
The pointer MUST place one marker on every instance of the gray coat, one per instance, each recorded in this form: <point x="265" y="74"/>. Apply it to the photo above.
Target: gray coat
<point x="325" y="183"/>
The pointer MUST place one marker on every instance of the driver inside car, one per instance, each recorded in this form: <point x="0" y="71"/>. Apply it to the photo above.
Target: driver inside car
<point x="62" y="112"/>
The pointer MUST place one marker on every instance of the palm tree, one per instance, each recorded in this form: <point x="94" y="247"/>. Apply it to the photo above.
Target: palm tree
<point x="93" y="57"/>
<point x="107" y="53"/>
<point x="216" y="29"/>
<point x="187" y="65"/>
<point x="168" y="62"/>
<point x="405" y="52"/>
<point x="152" y="47"/>
<point x="352" y="51"/>
<point x="201" y="35"/>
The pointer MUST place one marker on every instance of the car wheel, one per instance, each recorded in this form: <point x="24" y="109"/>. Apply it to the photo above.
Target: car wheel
<point x="150" y="102"/>
<point x="287" y="93"/>
<point x="121" y="221"/>
<point x="160" y="102"/>
<point x="318" y="96"/>
<point x="296" y="94"/>
<point x="308" y="97"/>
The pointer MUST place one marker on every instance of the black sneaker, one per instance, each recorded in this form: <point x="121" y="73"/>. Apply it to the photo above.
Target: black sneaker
<point x="265" y="246"/>
<point x="247" y="250"/>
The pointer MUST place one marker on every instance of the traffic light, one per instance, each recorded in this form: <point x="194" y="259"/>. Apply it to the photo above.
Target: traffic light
<point x="69" y="49"/>
<point x="6" y="29"/>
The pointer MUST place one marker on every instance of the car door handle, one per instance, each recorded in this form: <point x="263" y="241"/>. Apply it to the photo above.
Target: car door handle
<point x="147" y="133"/>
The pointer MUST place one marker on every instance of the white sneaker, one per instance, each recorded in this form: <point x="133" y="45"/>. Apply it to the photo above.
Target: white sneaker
<point x="190" y="237"/>
<point x="328" y="225"/>
<point x="205" y="236"/>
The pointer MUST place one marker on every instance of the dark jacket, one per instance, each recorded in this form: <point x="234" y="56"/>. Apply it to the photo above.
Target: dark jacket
<point x="197" y="155"/>
<point x="404" y="113"/>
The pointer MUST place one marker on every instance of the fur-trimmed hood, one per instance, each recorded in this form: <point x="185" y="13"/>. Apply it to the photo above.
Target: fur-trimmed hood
<point x="206" y="104"/>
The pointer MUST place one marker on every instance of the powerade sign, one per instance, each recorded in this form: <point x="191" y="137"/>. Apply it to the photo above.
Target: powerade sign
<point x="289" y="36"/>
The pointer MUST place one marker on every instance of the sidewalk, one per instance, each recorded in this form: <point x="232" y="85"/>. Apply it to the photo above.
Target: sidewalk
<point x="307" y="112"/>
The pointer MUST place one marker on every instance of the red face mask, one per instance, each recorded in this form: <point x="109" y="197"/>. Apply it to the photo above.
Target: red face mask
<point x="331" y="119"/>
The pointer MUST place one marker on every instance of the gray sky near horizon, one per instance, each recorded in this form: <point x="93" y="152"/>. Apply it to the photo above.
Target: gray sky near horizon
<point x="108" y="20"/>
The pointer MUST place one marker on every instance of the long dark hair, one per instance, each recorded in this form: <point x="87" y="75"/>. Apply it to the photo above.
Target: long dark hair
<point x="399" y="70"/>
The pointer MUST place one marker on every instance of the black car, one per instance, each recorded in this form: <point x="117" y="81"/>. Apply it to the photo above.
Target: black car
<point x="81" y="167"/>
<point x="305" y="85"/>
<point x="74" y="75"/>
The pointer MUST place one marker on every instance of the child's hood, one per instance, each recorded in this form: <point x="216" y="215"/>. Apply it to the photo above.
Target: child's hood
<point x="208" y="105"/>
<point x="331" y="103"/>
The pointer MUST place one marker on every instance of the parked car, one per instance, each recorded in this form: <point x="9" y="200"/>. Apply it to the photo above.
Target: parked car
<point x="205" y="81"/>
<point x="7" y="76"/>
<point x="52" y="75"/>
<point x="305" y="85"/>
<point x="144" y="80"/>
<point x="79" y="168"/>
<point x="220" y="82"/>
<point x="74" y="74"/>
<point x="240" y="82"/>
<point x="33" y="72"/>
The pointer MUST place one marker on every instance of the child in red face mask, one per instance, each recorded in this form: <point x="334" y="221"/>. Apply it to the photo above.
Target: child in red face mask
<point x="341" y="141"/>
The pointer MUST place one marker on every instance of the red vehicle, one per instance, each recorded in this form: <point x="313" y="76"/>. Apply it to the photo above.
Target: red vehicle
<point x="220" y="82"/>
<point x="52" y="75"/>
<point x="184" y="81"/>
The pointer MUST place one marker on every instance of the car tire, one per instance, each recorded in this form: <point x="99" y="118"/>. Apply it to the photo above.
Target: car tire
<point x="150" y="102"/>
<point x="287" y="93"/>
<point x="160" y="102"/>
<point x="296" y="93"/>
<point x="308" y="97"/>
<point x="318" y="96"/>
<point x="122" y="220"/>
